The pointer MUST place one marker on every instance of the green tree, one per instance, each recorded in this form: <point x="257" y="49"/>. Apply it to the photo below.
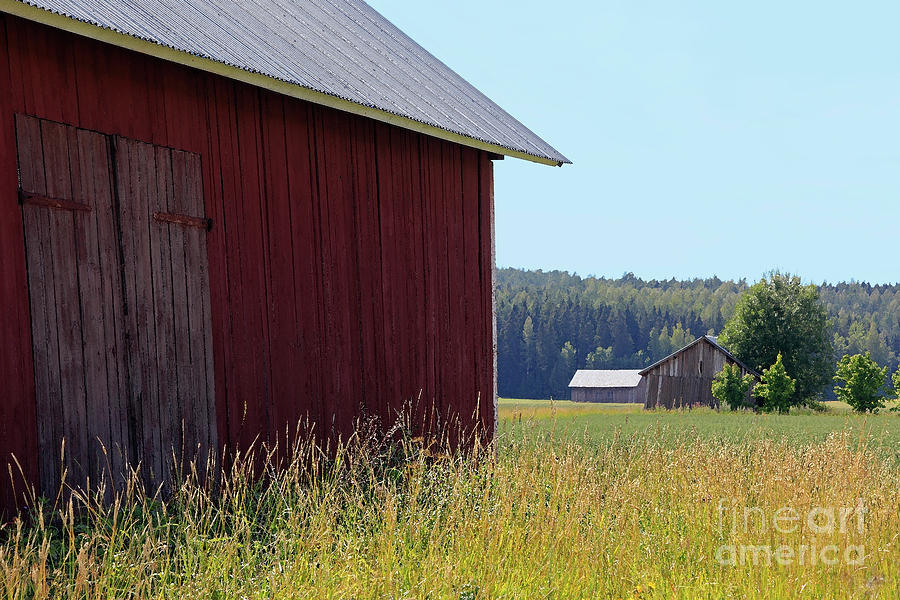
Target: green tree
<point x="775" y="388"/>
<point x="779" y="315"/>
<point x="681" y="337"/>
<point x="562" y="371"/>
<point x="862" y="382"/>
<point x="601" y="358"/>
<point x="729" y="387"/>
<point x="528" y="331"/>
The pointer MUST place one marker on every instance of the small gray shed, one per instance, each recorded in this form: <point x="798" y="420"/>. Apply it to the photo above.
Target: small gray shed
<point x="617" y="385"/>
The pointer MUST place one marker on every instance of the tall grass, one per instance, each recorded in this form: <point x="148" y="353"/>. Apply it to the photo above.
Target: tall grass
<point x="637" y="516"/>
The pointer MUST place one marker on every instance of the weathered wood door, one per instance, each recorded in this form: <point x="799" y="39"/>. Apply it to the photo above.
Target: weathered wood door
<point x="167" y="320"/>
<point x="119" y="295"/>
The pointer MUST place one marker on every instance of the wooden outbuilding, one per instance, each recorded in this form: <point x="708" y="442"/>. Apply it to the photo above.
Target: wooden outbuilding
<point x="220" y="219"/>
<point x="608" y="385"/>
<point x="684" y="378"/>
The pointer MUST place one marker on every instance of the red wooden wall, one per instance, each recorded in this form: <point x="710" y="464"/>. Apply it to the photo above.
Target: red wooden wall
<point x="350" y="261"/>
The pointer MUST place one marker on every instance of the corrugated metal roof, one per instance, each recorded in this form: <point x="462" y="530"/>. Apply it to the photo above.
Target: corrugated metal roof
<point x="616" y="378"/>
<point x="341" y="48"/>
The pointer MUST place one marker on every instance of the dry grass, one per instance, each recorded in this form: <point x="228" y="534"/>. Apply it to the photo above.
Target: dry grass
<point x="632" y="516"/>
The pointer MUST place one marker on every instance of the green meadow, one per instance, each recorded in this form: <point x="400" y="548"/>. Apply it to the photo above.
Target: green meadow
<point x="592" y="423"/>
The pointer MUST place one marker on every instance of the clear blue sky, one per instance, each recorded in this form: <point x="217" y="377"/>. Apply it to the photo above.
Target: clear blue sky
<point x="709" y="138"/>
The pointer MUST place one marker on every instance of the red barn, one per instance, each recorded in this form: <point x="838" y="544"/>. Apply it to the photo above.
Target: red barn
<point x="220" y="218"/>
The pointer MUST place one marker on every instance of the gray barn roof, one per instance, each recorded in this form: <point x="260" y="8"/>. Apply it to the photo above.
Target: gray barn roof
<point x="340" y="53"/>
<point x="617" y="378"/>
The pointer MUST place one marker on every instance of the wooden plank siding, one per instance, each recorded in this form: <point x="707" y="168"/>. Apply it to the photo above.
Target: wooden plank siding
<point x="685" y="379"/>
<point x="350" y="263"/>
<point x="637" y="393"/>
<point x="117" y="376"/>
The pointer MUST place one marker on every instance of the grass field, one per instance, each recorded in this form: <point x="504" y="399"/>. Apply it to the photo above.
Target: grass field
<point x="593" y="423"/>
<point x="580" y="501"/>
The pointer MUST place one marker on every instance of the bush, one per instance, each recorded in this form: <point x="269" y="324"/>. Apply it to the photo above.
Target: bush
<point x="863" y="383"/>
<point x="775" y="388"/>
<point x="730" y="388"/>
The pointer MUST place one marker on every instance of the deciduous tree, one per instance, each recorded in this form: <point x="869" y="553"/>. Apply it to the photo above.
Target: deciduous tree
<point x="862" y="383"/>
<point x="779" y="315"/>
<point x="775" y="388"/>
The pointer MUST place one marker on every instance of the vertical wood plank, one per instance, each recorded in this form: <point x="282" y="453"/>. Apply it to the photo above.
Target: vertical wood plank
<point x="68" y="302"/>
<point x="43" y="317"/>
<point x="369" y="267"/>
<point x="455" y="277"/>
<point x="392" y="296"/>
<point x="252" y="330"/>
<point x="198" y="293"/>
<point x="236" y="381"/>
<point x="472" y="394"/>
<point x="132" y="160"/>
<point x="439" y="276"/>
<point x="488" y="290"/>
<point x="430" y="313"/>
<point x="398" y="277"/>
<point x="344" y="205"/>
<point x="185" y="313"/>
<point x="307" y="265"/>
<point x="88" y="164"/>
<point x="111" y="304"/>
<point x="280" y="277"/>
<point x="331" y="389"/>
<point x="339" y="257"/>
<point x="415" y="277"/>
<point x="402" y="315"/>
<point x="167" y="301"/>
<point x="217" y="274"/>
<point x="12" y="68"/>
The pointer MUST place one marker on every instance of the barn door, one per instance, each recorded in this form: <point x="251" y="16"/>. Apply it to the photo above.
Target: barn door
<point x="119" y="303"/>
<point x="166" y="302"/>
<point x="74" y="290"/>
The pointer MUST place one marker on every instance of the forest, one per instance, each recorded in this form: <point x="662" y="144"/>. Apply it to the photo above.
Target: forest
<point x="551" y="323"/>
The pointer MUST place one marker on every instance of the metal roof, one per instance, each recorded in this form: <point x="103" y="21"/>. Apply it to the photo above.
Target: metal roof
<point x="616" y="378"/>
<point x="341" y="49"/>
<point x="706" y="338"/>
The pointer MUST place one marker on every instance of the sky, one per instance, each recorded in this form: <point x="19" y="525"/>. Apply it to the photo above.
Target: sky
<point x="708" y="138"/>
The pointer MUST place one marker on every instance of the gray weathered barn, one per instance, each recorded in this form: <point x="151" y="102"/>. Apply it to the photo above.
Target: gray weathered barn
<point x="684" y="378"/>
<point x="619" y="385"/>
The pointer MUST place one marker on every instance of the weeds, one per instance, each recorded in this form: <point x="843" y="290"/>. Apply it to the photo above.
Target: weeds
<point x="636" y="515"/>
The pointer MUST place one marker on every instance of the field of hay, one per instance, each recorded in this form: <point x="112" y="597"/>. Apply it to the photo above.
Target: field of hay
<point x="580" y="501"/>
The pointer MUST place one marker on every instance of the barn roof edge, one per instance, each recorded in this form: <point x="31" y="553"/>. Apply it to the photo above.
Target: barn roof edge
<point x="707" y="338"/>
<point x="31" y="12"/>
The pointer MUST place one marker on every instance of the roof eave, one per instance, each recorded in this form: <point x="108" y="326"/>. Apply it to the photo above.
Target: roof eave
<point x="646" y="370"/>
<point x="704" y="338"/>
<point x="18" y="8"/>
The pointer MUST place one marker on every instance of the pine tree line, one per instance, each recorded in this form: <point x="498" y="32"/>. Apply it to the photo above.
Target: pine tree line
<point x="551" y="323"/>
